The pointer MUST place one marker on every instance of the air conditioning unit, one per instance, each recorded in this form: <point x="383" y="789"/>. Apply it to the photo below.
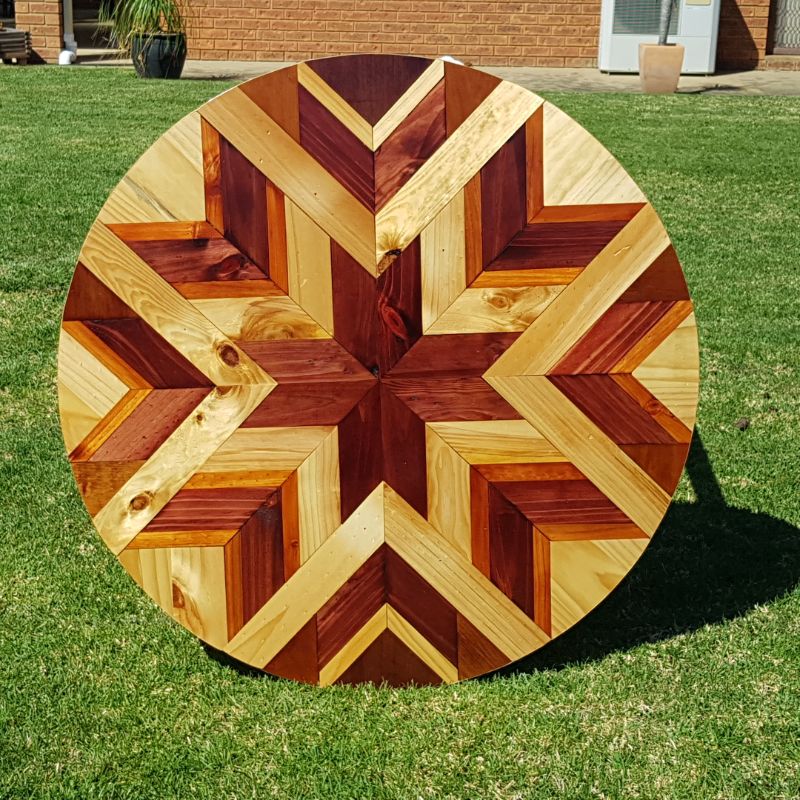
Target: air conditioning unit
<point x="625" y="24"/>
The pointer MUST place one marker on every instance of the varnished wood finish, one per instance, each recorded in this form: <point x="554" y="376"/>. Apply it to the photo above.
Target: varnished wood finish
<point x="377" y="369"/>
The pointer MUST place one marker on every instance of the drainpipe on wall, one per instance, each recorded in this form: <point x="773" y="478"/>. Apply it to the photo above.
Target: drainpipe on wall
<point x="68" y="54"/>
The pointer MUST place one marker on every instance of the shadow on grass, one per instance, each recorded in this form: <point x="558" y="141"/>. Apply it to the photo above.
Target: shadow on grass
<point x="708" y="562"/>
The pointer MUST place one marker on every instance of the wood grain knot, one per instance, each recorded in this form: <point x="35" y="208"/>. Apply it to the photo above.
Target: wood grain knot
<point x="229" y="355"/>
<point x="141" y="501"/>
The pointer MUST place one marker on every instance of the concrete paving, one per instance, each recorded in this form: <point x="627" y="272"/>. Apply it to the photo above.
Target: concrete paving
<point x="537" y="79"/>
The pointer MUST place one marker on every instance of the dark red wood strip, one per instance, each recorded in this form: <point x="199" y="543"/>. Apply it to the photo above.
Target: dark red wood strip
<point x="404" y="454"/>
<point x="476" y="654"/>
<point x="503" y="200"/>
<point x="232" y="555"/>
<point x="211" y="174"/>
<point x="351" y="607"/>
<point x="465" y="90"/>
<point x="559" y="471"/>
<point x="377" y="321"/>
<point x="149" y="425"/>
<point x="534" y="162"/>
<point x="244" y="205"/>
<point x="560" y="502"/>
<point x="416" y="600"/>
<point x="90" y="298"/>
<point x="453" y="355"/>
<point x="276" y="229"/>
<point x="510" y="550"/>
<point x="304" y="360"/>
<point x="479" y="520"/>
<point x="611" y="337"/>
<point x="99" y="481"/>
<point x="194" y="260"/>
<point x="450" y="399"/>
<point x="209" y="509"/>
<point x="298" y="660"/>
<point x="662" y="462"/>
<point x="148" y="353"/>
<point x="662" y="280"/>
<point x="602" y="212"/>
<point x="412" y="143"/>
<point x="612" y="409"/>
<point x="296" y="404"/>
<point x="337" y="149"/>
<point x="360" y="451"/>
<point x="473" y="231"/>
<point x="553" y="245"/>
<point x="276" y="95"/>
<point x="370" y="83"/>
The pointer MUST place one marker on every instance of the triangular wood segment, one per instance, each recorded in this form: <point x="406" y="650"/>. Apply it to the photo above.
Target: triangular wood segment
<point x="377" y="369"/>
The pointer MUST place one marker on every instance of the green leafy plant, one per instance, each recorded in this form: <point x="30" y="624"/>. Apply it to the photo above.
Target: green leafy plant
<point x="147" y="18"/>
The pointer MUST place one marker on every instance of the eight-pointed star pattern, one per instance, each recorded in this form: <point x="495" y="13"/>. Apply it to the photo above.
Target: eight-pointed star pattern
<point x="377" y="369"/>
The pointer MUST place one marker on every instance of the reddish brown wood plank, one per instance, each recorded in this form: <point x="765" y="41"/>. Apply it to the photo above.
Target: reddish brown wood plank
<point x="98" y="482"/>
<point x="370" y="83"/>
<point x="605" y="212"/>
<point x="662" y="462"/>
<point x="338" y="150"/>
<point x="563" y="471"/>
<point x="479" y="520"/>
<point x="613" y="410"/>
<point x="421" y="605"/>
<point x="542" y="614"/>
<point x="377" y="320"/>
<point x="276" y="227"/>
<point x="276" y="95"/>
<point x="299" y="658"/>
<point x="351" y="607"/>
<point x="578" y="532"/>
<point x="414" y="141"/>
<point x="450" y="399"/>
<point x="149" y="425"/>
<point x="209" y="509"/>
<point x="290" y="521"/>
<point x="302" y="360"/>
<point x="244" y="205"/>
<point x="465" y="90"/>
<point x="556" y="502"/>
<point x="611" y="337"/>
<point x="534" y="162"/>
<point x="503" y="200"/>
<point x="476" y="654"/>
<point x="148" y="353"/>
<point x="211" y="174"/>
<point x="90" y="298"/>
<point x="663" y="280"/>
<point x="510" y="551"/>
<point x="473" y="234"/>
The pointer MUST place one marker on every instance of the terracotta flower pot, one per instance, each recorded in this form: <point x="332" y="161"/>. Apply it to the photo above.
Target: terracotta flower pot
<point x="660" y="67"/>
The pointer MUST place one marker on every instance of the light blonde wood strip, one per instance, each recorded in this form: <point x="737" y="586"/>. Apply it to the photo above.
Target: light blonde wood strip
<point x="672" y="372"/>
<point x="495" y="310"/>
<point x="144" y="195"/>
<point x="266" y="449"/>
<point x="497" y="442"/>
<point x="86" y="377"/>
<point x="446" y="172"/>
<point x="318" y="496"/>
<point x="420" y="646"/>
<point x="587" y="447"/>
<point x="152" y="570"/>
<point x="355" y="648"/>
<point x="147" y="539"/>
<point x="448" y="493"/>
<point x="407" y="102"/>
<point x="246" y="319"/>
<point x="293" y="605"/>
<point x="295" y="173"/>
<point x="308" y="255"/>
<point x="458" y="581"/>
<point x="582" y="573"/>
<point x="586" y="299"/>
<point x="216" y="417"/>
<point x="242" y="479"/>
<point x="336" y="104"/>
<point x="78" y="418"/>
<point x="442" y="258"/>
<point x="578" y="169"/>
<point x="175" y="318"/>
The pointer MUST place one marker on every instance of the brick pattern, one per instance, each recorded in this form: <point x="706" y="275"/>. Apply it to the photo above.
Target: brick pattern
<point x="499" y="32"/>
<point x="43" y="19"/>
<point x="743" y="33"/>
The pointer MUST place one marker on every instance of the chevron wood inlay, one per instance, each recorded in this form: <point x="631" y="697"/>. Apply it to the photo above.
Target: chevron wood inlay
<point x="377" y="368"/>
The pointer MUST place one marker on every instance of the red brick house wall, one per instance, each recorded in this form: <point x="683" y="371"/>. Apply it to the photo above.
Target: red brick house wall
<point x="743" y="27"/>
<point x="43" y="18"/>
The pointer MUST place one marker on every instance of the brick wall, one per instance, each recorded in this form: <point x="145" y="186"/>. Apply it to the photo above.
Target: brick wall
<point x="743" y="29"/>
<point x="43" y="19"/>
<point x="548" y="34"/>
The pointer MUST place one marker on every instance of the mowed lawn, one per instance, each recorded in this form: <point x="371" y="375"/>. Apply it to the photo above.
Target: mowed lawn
<point x="684" y="684"/>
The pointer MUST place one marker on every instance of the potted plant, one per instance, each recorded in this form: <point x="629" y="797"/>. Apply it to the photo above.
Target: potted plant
<point x="152" y="31"/>
<point x="660" y="64"/>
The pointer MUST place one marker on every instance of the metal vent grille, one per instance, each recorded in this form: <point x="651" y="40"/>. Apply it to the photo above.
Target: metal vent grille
<point x="640" y="17"/>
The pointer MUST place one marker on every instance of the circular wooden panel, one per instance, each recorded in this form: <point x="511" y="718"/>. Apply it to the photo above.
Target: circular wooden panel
<point x="377" y="369"/>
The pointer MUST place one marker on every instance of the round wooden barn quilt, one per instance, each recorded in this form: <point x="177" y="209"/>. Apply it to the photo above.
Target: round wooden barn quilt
<point x="377" y="368"/>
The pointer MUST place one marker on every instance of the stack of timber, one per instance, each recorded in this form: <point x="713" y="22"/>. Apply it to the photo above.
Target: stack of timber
<point x="15" y="45"/>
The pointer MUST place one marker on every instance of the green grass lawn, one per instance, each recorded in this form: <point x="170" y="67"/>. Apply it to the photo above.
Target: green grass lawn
<point x="684" y="684"/>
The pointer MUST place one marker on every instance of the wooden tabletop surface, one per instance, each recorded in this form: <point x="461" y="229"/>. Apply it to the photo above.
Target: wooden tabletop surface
<point x="377" y="368"/>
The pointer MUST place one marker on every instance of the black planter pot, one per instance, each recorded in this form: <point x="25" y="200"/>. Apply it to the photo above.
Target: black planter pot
<point x="159" y="55"/>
